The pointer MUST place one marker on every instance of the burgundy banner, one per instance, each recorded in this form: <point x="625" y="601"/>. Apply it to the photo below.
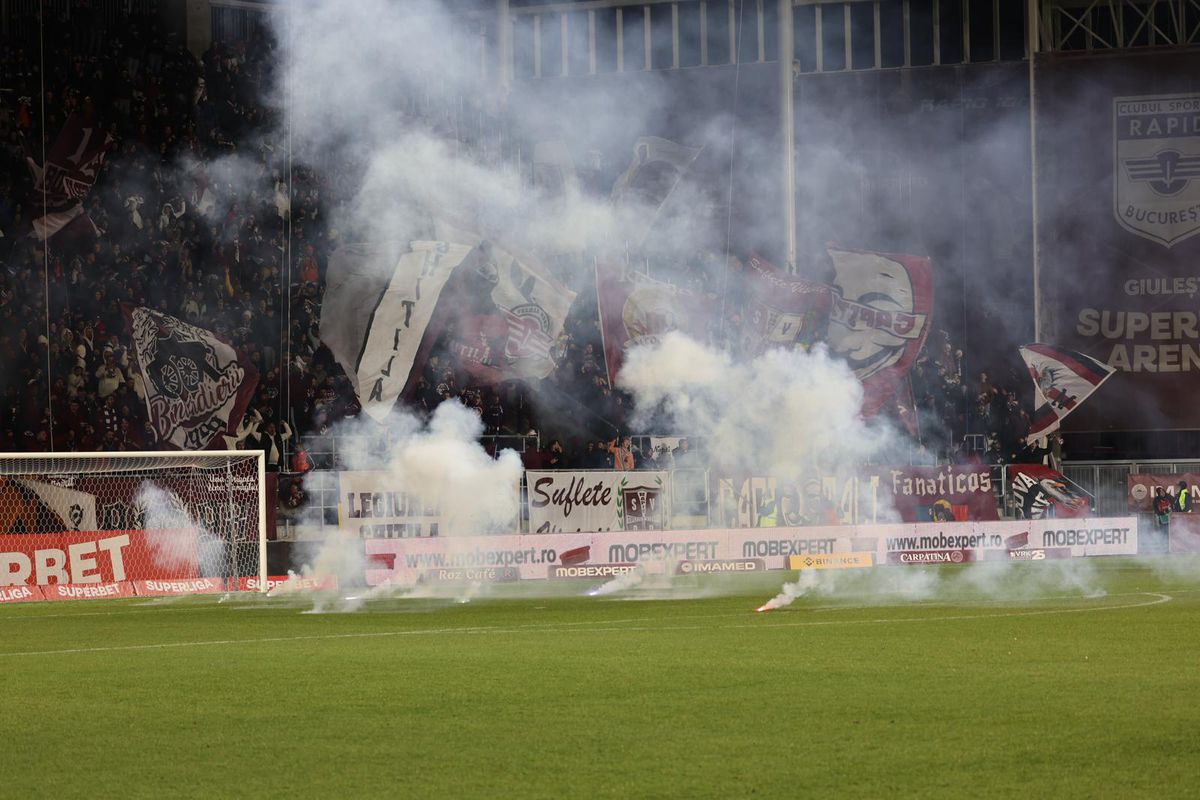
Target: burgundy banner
<point x="958" y="493"/>
<point x="1118" y="204"/>
<point x="1142" y="487"/>
<point x="782" y="310"/>
<point x="636" y="309"/>
<point x="70" y="171"/>
<point x="197" y="384"/>
<point x="880" y="311"/>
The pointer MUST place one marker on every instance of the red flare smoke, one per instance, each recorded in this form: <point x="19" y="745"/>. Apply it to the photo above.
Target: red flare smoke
<point x="764" y="607"/>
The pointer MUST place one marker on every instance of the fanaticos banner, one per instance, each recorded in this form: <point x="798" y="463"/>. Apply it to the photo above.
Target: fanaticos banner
<point x="915" y="494"/>
<point x="603" y="555"/>
<point x="1118" y="199"/>
<point x="1142" y="488"/>
<point x="197" y="385"/>
<point x="1044" y="492"/>
<point x="379" y="508"/>
<point x="597" y="501"/>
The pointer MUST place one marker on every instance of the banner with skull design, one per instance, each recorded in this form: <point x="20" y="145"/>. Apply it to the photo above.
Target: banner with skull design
<point x="879" y="316"/>
<point x="197" y="385"/>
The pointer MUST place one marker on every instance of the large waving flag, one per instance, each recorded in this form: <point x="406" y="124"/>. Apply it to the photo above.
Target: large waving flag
<point x="495" y="314"/>
<point x="657" y="168"/>
<point x="782" y="310"/>
<point x="70" y="171"/>
<point x="197" y="385"/>
<point x="1062" y="379"/>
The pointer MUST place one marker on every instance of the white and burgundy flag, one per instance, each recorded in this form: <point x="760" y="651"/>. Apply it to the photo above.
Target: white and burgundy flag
<point x="1062" y="379"/>
<point x="495" y="314"/>
<point x="374" y="317"/>
<point x="657" y="168"/>
<point x="69" y="173"/>
<point x="197" y="385"/>
<point x="501" y="313"/>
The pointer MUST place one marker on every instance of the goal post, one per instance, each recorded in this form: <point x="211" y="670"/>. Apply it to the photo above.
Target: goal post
<point x="78" y="525"/>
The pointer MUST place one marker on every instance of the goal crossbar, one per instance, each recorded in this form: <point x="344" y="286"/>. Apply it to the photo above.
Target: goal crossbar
<point x="89" y="471"/>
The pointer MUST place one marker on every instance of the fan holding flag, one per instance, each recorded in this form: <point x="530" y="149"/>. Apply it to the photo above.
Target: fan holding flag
<point x="1062" y="379"/>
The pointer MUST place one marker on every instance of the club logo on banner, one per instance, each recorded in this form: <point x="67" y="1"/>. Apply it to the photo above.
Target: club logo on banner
<point x="1156" y="170"/>
<point x="196" y="385"/>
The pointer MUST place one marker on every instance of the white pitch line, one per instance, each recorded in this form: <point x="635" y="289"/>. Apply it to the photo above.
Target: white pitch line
<point x="1158" y="600"/>
<point x="251" y="605"/>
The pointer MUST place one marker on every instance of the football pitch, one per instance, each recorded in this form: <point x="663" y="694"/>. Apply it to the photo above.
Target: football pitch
<point x="868" y="690"/>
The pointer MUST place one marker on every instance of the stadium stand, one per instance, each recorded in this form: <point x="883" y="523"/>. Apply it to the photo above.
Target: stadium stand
<point x="250" y="266"/>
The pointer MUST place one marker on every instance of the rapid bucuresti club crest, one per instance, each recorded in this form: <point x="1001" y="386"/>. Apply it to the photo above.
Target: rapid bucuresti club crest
<point x="1156" y="169"/>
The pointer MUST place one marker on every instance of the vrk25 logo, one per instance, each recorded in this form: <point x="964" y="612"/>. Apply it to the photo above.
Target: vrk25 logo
<point x="1156" y="169"/>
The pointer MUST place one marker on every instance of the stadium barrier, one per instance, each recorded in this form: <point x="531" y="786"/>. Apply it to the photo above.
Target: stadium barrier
<point x="696" y="499"/>
<point x="607" y="554"/>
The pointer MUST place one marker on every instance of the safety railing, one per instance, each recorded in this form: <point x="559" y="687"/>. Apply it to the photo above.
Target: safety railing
<point x="692" y="505"/>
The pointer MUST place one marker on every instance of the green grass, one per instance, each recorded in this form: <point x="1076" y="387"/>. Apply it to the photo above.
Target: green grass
<point x="1057" y="695"/>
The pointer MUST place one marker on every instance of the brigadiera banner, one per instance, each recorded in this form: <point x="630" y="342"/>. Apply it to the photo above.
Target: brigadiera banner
<point x="1118" y="198"/>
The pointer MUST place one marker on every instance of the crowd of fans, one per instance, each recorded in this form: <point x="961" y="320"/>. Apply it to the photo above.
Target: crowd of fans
<point x="246" y="259"/>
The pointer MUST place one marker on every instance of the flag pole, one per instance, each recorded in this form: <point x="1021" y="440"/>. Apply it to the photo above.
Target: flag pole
<point x="787" y="78"/>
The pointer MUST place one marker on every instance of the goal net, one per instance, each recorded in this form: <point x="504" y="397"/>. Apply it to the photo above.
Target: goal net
<point x="80" y="525"/>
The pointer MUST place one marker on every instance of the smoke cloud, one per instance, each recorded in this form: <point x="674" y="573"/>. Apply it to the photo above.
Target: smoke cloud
<point x="779" y="414"/>
<point x="173" y="535"/>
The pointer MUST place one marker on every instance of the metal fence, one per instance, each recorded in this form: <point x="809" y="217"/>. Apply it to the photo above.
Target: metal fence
<point x="691" y="503"/>
<point x="1106" y="480"/>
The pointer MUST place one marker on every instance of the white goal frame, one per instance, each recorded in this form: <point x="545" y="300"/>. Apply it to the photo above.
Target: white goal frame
<point x="173" y="456"/>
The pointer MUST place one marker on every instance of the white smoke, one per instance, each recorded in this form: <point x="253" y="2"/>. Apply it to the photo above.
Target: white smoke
<point x="390" y="95"/>
<point x="1001" y="581"/>
<point x="176" y="539"/>
<point x="441" y="462"/>
<point x="779" y="414"/>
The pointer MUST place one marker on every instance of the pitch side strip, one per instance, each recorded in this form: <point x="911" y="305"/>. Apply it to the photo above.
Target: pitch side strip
<point x="1158" y="599"/>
